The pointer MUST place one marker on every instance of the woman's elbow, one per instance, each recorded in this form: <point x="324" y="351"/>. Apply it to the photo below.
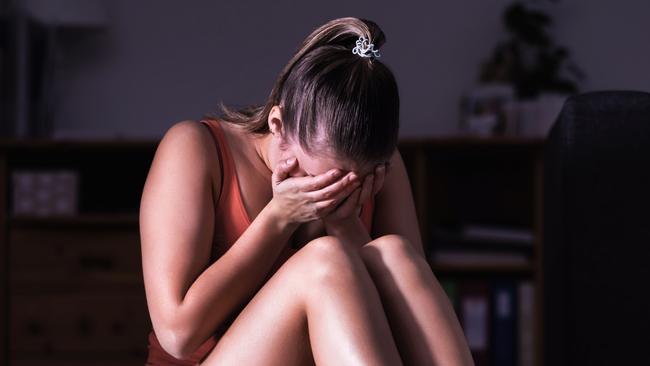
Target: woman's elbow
<point x="176" y="342"/>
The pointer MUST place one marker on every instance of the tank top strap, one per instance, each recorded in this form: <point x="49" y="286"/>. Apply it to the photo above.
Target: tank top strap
<point x="225" y="158"/>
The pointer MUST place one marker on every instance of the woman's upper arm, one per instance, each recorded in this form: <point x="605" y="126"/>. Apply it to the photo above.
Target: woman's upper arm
<point x="394" y="207"/>
<point x="176" y="219"/>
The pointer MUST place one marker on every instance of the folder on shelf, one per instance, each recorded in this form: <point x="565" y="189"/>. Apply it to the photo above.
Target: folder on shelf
<point x="475" y="318"/>
<point x="451" y="289"/>
<point x="526" y="323"/>
<point x="504" y="316"/>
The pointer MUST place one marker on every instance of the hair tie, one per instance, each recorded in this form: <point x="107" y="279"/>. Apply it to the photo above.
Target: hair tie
<point x="365" y="49"/>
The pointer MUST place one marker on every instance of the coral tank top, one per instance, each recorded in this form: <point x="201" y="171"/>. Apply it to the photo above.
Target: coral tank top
<point x="231" y="220"/>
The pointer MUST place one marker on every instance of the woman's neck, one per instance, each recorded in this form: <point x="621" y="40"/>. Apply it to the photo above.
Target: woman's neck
<point x="254" y="147"/>
<point x="261" y="145"/>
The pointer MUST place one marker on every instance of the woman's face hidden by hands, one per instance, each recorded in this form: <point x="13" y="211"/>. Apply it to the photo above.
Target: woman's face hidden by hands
<point x="308" y="164"/>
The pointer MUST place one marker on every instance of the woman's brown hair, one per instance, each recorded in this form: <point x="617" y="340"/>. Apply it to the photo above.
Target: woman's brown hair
<point x="331" y="98"/>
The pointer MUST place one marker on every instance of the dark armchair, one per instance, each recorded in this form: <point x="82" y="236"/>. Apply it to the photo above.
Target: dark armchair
<point x="596" y="252"/>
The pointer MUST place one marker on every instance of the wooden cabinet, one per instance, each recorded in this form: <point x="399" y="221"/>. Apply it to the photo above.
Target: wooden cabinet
<point x="72" y="285"/>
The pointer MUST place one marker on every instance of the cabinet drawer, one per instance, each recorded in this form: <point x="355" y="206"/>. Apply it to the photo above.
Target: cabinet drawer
<point x="77" y="362"/>
<point x="78" y="325"/>
<point x="74" y="258"/>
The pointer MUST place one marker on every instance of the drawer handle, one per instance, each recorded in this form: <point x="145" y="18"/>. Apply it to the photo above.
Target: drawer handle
<point x="96" y="263"/>
<point x="35" y="328"/>
<point x="85" y="325"/>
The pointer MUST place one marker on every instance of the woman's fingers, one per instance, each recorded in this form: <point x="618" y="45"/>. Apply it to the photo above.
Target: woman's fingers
<point x="335" y="188"/>
<point x="327" y="205"/>
<point x="350" y="204"/>
<point x="380" y="175"/>
<point x="354" y="196"/>
<point x="308" y="184"/>
<point x="283" y="169"/>
<point x="366" y="189"/>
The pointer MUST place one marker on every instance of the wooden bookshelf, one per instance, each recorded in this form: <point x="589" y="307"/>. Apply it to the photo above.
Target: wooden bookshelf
<point x="496" y="180"/>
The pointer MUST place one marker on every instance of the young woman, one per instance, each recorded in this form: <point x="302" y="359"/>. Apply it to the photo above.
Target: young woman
<point x="285" y="234"/>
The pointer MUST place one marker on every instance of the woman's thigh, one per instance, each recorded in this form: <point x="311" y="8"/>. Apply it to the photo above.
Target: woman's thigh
<point x="272" y="328"/>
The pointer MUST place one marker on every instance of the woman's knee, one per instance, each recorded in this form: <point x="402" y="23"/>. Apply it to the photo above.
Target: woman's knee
<point x="327" y="259"/>
<point x="392" y="252"/>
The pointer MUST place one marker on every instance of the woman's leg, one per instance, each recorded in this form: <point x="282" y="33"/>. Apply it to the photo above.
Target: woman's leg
<point x="321" y="306"/>
<point x="421" y="316"/>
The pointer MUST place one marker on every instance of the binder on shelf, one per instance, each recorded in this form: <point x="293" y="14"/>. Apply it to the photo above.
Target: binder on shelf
<point x="451" y="289"/>
<point x="526" y="323"/>
<point x="504" y="316"/>
<point x="475" y="319"/>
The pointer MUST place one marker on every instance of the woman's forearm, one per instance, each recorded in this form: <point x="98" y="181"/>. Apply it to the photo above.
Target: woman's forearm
<point x="351" y="231"/>
<point x="231" y="280"/>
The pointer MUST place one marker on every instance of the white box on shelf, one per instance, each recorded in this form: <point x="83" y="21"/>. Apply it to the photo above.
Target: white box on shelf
<point x="45" y="192"/>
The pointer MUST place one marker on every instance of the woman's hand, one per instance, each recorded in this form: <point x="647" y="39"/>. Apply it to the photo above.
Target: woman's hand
<point x="345" y="222"/>
<point x="304" y="199"/>
<point x="352" y="205"/>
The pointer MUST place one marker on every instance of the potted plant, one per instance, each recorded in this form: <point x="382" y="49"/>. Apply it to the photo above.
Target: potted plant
<point x="539" y="71"/>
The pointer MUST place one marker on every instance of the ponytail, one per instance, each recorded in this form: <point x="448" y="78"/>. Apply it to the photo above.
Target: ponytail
<point x="326" y="88"/>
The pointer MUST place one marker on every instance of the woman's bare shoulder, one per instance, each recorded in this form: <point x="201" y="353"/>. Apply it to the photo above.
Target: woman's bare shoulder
<point x="188" y="147"/>
<point x="192" y="131"/>
<point x="192" y="141"/>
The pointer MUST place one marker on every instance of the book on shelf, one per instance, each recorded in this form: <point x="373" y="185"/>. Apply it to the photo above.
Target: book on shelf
<point x="474" y="245"/>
